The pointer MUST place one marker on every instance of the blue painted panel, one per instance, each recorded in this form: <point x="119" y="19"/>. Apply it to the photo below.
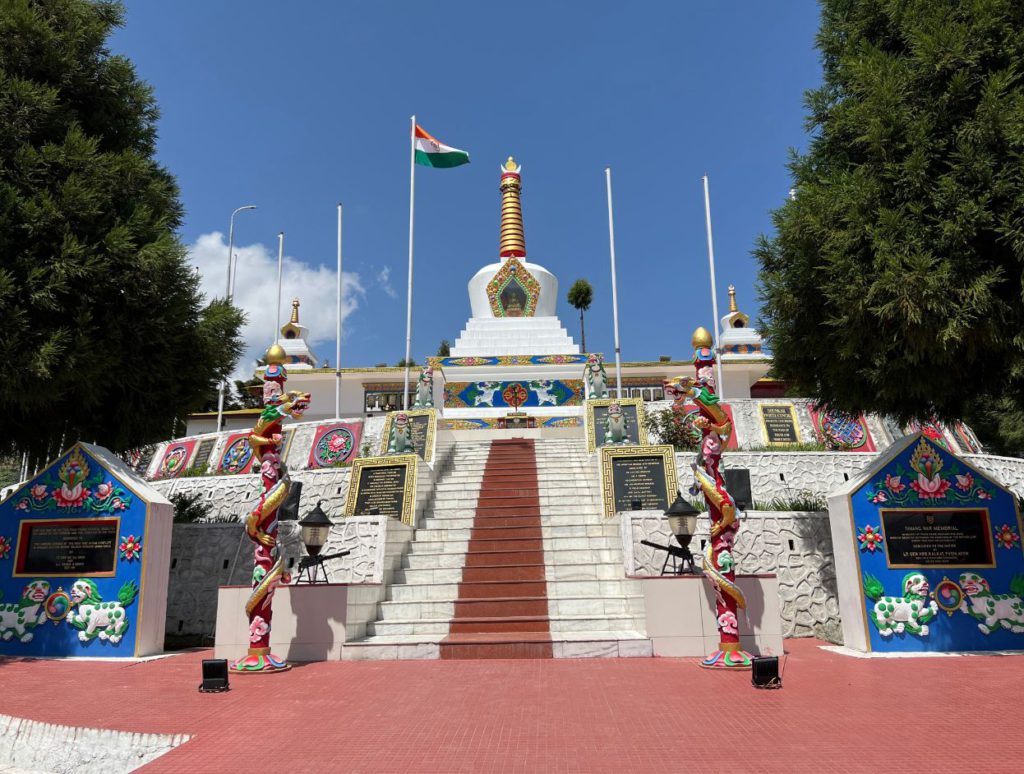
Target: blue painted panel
<point x="53" y="613"/>
<point x="990" y="615"/>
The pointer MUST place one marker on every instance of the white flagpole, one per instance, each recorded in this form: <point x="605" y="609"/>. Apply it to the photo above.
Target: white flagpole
<point x="280" y="266"/>
<point x="714" y="292"/>
<point x="615" y="292"/>
<point x="337" y="346"/>
<point x="408" y="309"/>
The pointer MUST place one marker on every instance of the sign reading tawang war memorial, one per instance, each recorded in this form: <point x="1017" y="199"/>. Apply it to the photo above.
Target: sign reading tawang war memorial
<point x="928" y="555"/>
<point x="84" y="556"/>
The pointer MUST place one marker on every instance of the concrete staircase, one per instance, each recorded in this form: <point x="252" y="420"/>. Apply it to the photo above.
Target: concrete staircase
<point x="513" y="561"/>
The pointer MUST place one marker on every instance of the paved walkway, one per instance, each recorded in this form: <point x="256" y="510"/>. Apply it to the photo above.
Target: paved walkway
<point x="835" y="714"/>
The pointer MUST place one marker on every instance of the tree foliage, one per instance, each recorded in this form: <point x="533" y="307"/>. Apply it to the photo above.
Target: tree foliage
<point x="444" y="349"/>
<point x="894" y="281"/>
<point x="105" y="333"/>
<point x="580" y="296"/>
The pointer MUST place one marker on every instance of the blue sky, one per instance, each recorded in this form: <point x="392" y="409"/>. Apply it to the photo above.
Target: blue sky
<point x="297" y="106"/>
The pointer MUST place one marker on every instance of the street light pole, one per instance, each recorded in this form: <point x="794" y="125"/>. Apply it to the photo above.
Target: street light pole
<point x="229" y="293"/>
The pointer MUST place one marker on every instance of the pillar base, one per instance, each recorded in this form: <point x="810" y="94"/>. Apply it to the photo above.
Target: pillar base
<point x="728" y="656"/>
<point x="259" y="661"/>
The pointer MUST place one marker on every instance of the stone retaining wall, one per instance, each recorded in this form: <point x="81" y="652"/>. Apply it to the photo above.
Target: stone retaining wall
<point x="796" y="546"/>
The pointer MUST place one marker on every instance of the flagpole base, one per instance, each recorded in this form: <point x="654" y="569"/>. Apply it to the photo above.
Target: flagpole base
<point x="259" y="661"/>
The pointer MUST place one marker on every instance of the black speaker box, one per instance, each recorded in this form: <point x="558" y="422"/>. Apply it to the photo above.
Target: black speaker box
<point x="764" y="672"/>
<point x="215" y="675"/>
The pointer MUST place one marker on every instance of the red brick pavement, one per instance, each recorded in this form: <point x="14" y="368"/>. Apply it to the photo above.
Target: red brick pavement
<point x="834" y="714"/>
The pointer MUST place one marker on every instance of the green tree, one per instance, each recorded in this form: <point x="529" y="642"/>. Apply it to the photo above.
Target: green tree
<point x="580" y="296"/>
<point x="104" y="328"/>
<point x="401" y="363"/>
<point x="444" y="349"/>
<point x="894" y="281"/>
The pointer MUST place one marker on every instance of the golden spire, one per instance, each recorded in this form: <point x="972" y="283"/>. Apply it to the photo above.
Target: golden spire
<point x="732" y="299"/>
<point x="512" y="241"/>
<point x="295" y="310"/>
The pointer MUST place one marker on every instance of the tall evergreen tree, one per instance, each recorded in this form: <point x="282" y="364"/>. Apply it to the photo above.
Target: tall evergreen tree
<point x="895" y="282"/>
<point x="580" y="296"/>
<point x="105" y="334"/>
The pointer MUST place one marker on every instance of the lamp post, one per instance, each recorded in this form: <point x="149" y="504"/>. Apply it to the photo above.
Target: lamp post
<point x="682" y="521"/>
<point x="230" y="292"/>
<point x="314" y="527"/>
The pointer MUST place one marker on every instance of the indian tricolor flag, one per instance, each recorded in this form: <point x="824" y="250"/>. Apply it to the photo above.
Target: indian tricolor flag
<point x="431" y="153"/>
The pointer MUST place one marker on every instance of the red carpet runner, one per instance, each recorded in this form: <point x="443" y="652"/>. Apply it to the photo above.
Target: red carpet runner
<point x="502" y="609"/>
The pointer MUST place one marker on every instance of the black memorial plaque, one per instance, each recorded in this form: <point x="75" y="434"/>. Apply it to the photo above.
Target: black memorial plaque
<point x="779" y="424"/>
<point x="87" y="547"/>
<point x="203" y="452"/>
<point x="632" y="424"/>
<point x="927" y="538"/>
<point x="381" y="489"/>
<point x="420" y="424"/>
<point x="640" y="478"/>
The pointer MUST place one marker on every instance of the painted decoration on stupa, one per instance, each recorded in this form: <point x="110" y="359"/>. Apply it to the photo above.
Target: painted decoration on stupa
<point x="538" y="392"/>
<point x="513" y="291"/>
<point x="939" y="555"/>
<point x="506" y="360"/>
<point x="335" y="443"/>
<point x="175" y="458"/>
<point x="840" y="431"/>
<point x="237" y="456"/>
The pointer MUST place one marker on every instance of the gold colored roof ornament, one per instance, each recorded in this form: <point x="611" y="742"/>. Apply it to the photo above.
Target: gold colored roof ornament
<point x="511" y="242"/>
<point x="702" y="338"/>
<point x="275" y="355"/>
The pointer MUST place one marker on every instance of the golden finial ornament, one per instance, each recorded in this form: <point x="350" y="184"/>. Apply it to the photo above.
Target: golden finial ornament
<point x="732" y="299"/>
<point x="511" y="242"/>
<point x="295" y="312"/>
<point x="702" y="338"/>
<point x="275" y="355"/>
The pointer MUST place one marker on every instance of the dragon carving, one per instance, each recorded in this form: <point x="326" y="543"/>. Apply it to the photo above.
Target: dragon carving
<point x="719" y="564"/>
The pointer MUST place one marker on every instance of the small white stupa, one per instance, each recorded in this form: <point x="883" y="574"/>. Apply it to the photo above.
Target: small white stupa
<point x="513" y="301"/>
<point x="294" y="341"/>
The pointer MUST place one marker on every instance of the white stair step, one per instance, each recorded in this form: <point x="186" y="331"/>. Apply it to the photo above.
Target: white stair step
<point x="422" y="592"/>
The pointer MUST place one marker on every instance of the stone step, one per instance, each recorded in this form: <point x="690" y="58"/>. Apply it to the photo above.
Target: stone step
<point x="582" y="644"/>
<point x="578" y="545"/>
<point x="439" y="627"/>
<point x="498" y="607"/>
<point x="551" y="520"/>
<point x="418" y="592"/>
<point x="545" y="510"/>
<point x="491" y="534"/>
<point x="551" y="572"/>
<point x="568" y="557"/>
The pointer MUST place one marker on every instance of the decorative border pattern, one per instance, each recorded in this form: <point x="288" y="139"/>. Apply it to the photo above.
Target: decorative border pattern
<point x="513" y="270"/>
<point x="428" y="451"/>
<point x="665" y="451"/>
<point x="588" y="413"/>
<point x="491" y="423"/>
<point x="411" y="462"/>
<point x="823" y="422"/>
<point x="505" y="360"/>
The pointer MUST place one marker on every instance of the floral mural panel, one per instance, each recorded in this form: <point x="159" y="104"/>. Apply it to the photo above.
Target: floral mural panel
<point x="335" y="443"/>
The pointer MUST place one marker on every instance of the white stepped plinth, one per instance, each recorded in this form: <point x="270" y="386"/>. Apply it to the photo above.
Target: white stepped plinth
<point x="485" y="336"/>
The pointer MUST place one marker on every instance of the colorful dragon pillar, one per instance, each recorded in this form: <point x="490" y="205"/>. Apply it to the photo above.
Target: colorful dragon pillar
<point x="719" y="563"/>
<point x="261" y="524"/>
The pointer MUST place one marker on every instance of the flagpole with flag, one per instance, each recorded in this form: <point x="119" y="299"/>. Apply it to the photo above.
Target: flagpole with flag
<point x="426" y="150"/>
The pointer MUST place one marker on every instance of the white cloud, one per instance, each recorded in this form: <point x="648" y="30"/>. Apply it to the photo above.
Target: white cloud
<point x="256" y="294"/>
<point x="384" y="280"/>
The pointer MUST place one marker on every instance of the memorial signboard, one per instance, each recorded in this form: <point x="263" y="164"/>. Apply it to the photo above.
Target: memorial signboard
<point x="204" y="449"/>
<point x="937" y="538"/>
<point x="66" y="547"/>
<point x="643" y="476"/>
<point x="635" y="421"/>
<point x="84" y="557"/>
<point x="928" y="554"/>
<point x="778" y="420"/>
<point x="383" y="485"/>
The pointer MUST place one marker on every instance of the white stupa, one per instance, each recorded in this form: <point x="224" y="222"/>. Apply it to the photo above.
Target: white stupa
<point x="295" y="342"/>
<point x="513" y="301"/>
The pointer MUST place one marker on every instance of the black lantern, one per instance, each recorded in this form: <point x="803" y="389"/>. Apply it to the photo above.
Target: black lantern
<point x="315" y="527"/>
<point x="682" y="521"/>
